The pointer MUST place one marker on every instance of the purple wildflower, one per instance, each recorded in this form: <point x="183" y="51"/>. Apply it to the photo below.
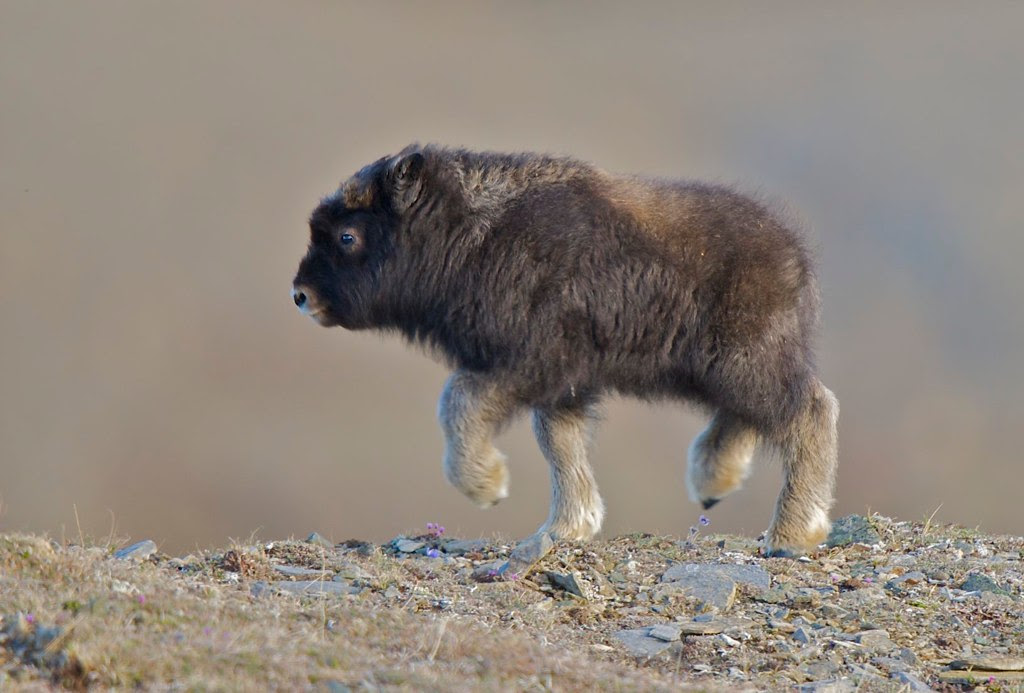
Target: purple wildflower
<point x="30" y="619"/>
<point x="512" y="577"/>
<point x="142" y="599"/>
<point x="493" y="572"/>
<point x="433" y="553"/>
<point x="704" y="520"/>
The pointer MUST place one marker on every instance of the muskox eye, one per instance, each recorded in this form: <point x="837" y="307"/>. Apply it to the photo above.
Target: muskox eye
<point x="347" y="239"/>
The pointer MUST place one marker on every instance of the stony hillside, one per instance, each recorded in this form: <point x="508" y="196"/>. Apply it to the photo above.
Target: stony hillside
<point x="887" y="606"/>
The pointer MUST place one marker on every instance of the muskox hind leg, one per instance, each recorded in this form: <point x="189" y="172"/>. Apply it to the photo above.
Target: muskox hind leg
<point x="471" y="411"/>
<point x="719" y="459"/>
<point x="809" y="451"/>
<point x="576" y="507"/>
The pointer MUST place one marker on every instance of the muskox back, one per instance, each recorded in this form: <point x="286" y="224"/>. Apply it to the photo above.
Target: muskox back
<point x="571" y="282"/>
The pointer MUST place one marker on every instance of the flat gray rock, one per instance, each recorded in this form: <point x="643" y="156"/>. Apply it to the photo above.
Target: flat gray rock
<point x="862" y="597"/>
<point x="525" y="555"/>
<point x="992" y="662"/>
<point x="852" y="529"/>
<point x="408" y="545"/>
<point x="298" y="571"/>
<point x="137" y="552"/>
<point x="316" y="587"/>
<point x="876" y="640"/>
<point x="712" y="584"/>
<point x="975" y="677"/>
<point x="700" y="627"/>
<point x="640" y="644"/>
<point x="712" y="591"/>
<point x="460" y="547"/>
<point x="488" y="571"/>
<point x="752" y="575"/>
<point x="669" y="632"/>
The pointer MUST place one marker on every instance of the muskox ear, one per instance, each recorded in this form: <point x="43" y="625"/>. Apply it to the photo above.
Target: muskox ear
<point x="407" y="178"/>
<point x="408" y="166"/>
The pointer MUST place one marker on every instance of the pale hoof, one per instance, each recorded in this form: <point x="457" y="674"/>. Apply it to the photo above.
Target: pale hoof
<point x="581" y="525"/>
<point x="484" y="483"/>
<point x="788" y="541"/>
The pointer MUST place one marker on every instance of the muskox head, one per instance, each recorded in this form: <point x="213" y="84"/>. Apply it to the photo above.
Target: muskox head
<point x="352" y="236"/>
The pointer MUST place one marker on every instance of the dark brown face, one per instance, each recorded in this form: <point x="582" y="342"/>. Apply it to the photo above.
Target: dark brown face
<point x="351" y="238"/>
<point x="338" y="278"/>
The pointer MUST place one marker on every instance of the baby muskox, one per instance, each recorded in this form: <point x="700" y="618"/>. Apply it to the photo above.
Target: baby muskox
<point x="547" y="283"/>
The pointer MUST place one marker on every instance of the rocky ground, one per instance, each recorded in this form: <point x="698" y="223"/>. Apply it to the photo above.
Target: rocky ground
<point x="886" y="606"/>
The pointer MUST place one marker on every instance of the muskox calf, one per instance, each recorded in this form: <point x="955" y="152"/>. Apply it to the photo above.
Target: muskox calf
<point x="547" y="283"/>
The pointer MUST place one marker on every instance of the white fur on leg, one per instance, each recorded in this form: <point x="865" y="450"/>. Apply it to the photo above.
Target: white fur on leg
<point x="819" y="524"/>
<point x="810" y="457"/>
<point x="470" y="411"/>
<point x="794" y="540"/>
<point x="577" y="510"/>
<point x="578" y="521"/>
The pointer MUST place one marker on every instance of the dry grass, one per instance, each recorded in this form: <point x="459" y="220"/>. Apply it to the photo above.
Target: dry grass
<point x="196" y="624"/>
<point x="78" y="617"/>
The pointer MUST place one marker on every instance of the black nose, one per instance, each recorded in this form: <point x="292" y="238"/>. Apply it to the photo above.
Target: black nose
<point x="299" y="298"/>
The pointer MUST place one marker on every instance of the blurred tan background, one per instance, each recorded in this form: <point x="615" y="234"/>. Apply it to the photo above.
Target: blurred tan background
<point x="158" y="162"/>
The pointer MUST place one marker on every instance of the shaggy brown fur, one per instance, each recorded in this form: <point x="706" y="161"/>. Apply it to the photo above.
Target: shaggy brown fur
<point x="546" y="283"/>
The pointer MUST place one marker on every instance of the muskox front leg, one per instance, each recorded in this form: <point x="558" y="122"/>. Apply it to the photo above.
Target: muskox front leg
<point x="576" y="507"/>
<point x="471" y="412"/>
<point x="719" y="459"/>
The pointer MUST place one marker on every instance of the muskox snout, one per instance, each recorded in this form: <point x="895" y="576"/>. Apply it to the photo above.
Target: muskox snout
<point x="306" y="301"/>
